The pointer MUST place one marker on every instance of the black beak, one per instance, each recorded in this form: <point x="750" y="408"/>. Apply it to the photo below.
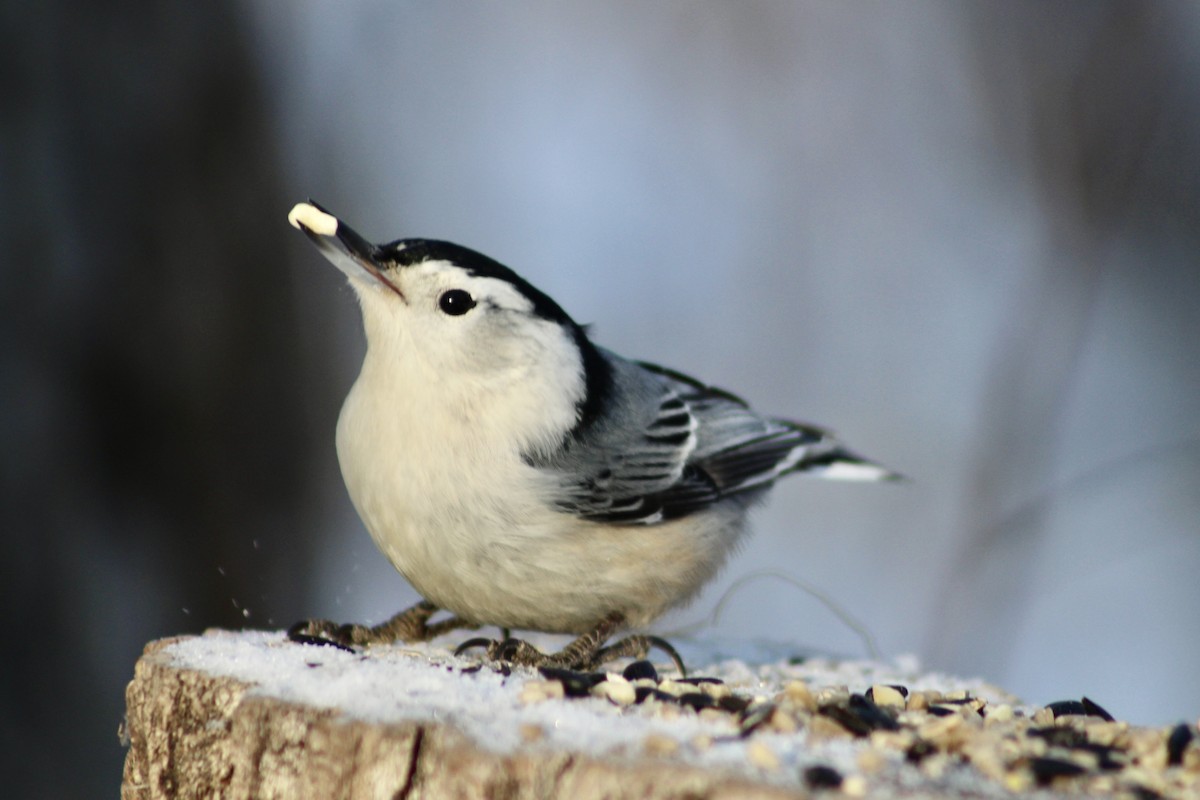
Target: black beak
<point x="341" y="244"/>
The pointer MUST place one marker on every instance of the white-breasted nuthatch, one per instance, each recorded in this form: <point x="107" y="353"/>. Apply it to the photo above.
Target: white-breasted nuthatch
<point x="520" y="476"/>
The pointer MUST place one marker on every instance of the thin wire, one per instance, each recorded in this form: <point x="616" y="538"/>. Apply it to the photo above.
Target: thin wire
<point x="824" y="599"/>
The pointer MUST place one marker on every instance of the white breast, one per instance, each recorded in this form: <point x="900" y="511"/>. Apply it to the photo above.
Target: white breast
<point x="437" y="476"/>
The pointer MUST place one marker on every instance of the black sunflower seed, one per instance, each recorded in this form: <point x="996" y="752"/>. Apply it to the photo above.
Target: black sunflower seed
<point x="1105" y="756"/>
<point x="1059" y="737"/>
<point x="1084" y="707"/>
<point x="697" y="700"/>
<point x="1093" y="709"/>
<point x="1063" y="707"/>
<point x="1181" y="735"/>
<point x="699" y="680"/>
<point x="642" y="693"/>
<point x="917" y="752"/>
<point x="1046" y="769"/>
<point x="859" y="716"/>
<point x="754" y="717"/>
<point x="873" y="715"/>
<point x="822" y="777"/>
<point x="733" y="704"/>
<point x="575" y="684"/>
<point x="640" y="669"/>
<point x="846" y="718"/>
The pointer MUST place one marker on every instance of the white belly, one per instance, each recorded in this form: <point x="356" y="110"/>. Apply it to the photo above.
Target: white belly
<point x="463" y="521"/>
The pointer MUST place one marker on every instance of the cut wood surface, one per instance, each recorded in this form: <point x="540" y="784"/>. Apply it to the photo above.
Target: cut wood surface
<point x="251" y="715"/>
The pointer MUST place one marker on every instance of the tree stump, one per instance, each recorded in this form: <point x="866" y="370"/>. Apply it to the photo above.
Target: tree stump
<point x="252" y="715"/>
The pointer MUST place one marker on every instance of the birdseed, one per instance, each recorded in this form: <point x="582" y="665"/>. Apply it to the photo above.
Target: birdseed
<point x="1070" y="746"/>
<point x="777" y="723"/>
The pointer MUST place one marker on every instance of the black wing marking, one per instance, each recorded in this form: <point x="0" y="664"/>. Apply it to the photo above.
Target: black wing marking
<point x="703" y="445"/>
<point x="737" y="448"/>
<point x="690" y="388"/>
<point x="638" y="469"/>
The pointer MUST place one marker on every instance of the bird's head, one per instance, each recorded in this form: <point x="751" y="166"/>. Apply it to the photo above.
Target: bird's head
<point x="460" y="328"/>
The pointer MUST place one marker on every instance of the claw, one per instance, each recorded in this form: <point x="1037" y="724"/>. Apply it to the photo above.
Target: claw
<point x="470" y="644"/>
<point x="665" y="646"/>
<point x="320" y="633"/>
<point x="585" y="653"/>
<point x="317" y="641"/>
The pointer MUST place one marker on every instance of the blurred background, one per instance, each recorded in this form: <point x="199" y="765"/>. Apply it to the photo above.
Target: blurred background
<point x="964" y="235"/>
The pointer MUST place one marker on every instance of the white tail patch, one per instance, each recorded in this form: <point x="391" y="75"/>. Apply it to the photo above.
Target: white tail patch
<point x="851" y="471"/>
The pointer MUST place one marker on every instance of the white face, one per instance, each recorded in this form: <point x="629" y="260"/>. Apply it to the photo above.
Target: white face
<point x="459" y="324"/>
<point x="456" y="351"/>
<point x="471" y="346"/>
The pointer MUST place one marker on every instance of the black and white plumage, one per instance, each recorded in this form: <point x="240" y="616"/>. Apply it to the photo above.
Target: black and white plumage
<point x="519" y="475"/>
<point x="669" y="446"/>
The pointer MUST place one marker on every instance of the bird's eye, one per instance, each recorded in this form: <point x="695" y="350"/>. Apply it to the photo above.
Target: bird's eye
<point x="456" y="302"/>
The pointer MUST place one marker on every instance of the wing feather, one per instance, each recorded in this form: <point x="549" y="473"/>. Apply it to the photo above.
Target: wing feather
<point x="672" y="446"/>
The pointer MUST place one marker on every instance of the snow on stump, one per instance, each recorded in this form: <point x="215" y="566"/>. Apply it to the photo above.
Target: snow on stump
<point x="253" y="715"/>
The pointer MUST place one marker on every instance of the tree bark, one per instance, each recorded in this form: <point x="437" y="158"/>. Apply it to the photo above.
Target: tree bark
<point x="195" y="735"/>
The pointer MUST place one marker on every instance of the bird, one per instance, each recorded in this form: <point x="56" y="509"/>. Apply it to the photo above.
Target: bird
<point x="519" y="475"/>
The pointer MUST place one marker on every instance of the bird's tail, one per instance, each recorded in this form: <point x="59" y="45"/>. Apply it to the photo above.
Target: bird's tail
<point x="837" y="463"/>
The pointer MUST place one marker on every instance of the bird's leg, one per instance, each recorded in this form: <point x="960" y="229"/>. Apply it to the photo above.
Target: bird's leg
<point x="585" y="653"/>
<point x="581" y="653"/>
<point x="411" y="625"/>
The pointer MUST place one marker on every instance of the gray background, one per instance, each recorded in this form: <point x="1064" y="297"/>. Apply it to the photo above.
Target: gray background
<point x="964" y="236"/>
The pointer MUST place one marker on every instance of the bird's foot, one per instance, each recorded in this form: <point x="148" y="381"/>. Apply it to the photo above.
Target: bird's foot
<point x="638" y="647"/>
<point x="411" y="625"/>
<point x="584" y="654"/>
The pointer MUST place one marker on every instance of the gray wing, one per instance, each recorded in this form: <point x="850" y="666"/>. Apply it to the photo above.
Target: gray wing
<point x="671" y="446"/>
